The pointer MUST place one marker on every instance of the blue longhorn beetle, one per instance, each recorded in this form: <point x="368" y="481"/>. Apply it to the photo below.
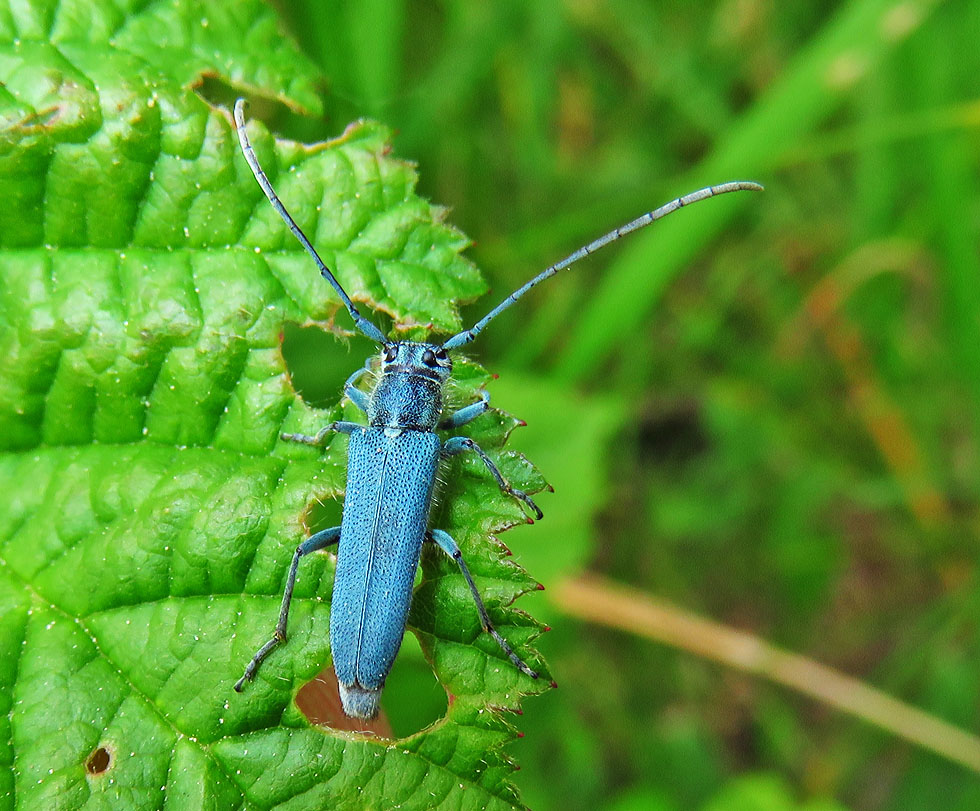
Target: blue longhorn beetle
<point x="391" y="472"/>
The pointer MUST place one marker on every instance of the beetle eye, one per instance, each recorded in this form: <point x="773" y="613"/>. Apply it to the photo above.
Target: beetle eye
<point x="391" y="352"/>
<point x="429" y="357"/>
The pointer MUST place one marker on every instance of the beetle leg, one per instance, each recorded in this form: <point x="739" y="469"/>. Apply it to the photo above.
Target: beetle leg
<point x="355" y="395"/>
<point x="449" y="546"/>
<point x="466" y="414"/>
<point x="314" y="543"/>
<point x="341" y="427"/>
<point x="459" y="444"/>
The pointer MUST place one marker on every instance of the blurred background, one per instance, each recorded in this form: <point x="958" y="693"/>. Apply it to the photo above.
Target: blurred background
<point x="760" y="415"/>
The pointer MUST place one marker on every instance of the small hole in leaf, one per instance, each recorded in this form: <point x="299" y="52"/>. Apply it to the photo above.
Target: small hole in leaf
<point x="99" y="761"/>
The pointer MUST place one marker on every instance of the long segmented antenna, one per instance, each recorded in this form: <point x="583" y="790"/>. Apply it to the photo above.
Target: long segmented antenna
<point x="464" y="337"/>
<point x="365" y="326"/>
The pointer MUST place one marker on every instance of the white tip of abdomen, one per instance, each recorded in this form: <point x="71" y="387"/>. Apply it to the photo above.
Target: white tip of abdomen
<point x="359" y="702"/>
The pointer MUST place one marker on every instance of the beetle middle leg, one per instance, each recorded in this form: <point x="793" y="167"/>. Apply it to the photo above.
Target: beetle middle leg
<point x="467" y="413"/>
<point x="449" y="546"/>
<point x="340" y="427"/>
<point x="458" y="444"/>
<point x="314" y="543"/>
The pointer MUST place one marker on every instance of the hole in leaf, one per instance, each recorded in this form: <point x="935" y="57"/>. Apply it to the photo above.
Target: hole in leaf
<point x="413" y="698"/>
<point x="319" y="701"/>
<point x="99" y="761"/>
<point x="278" y="117"/>
<point x="324" y="514"/>
<point x="319" y="364"/>
<point x="411" y="701"/>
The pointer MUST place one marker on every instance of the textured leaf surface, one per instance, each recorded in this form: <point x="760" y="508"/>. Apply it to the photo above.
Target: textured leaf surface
<point x="149" y="509"/>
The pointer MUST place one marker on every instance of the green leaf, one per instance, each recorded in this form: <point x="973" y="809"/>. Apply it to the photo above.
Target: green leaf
<point x="150" y="509"/>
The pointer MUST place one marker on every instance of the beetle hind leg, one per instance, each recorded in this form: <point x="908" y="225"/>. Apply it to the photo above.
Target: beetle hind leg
<point x="449" y="546"/>
<point x="314" y="543"/>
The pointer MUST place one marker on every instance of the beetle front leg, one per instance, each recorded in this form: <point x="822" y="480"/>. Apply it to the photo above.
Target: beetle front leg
<point x="458" y="444"/>
<point x="341" y="427"/>
<point x="449" y="546"/>
<point x="355" y="395"/>
<point x="312" y="544"/>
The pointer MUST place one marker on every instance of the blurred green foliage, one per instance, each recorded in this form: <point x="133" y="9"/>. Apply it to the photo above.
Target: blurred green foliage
<point x="781" y="427"/>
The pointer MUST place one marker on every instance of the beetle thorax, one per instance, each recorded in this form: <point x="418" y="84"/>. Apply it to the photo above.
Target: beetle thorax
<point x="409" y="392"/>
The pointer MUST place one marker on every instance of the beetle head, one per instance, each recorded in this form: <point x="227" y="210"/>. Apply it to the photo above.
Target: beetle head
<point x="409" y="357"/>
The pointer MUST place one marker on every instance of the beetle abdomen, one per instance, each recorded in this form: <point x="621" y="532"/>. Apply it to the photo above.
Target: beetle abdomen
<point x="390" y="477"/>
